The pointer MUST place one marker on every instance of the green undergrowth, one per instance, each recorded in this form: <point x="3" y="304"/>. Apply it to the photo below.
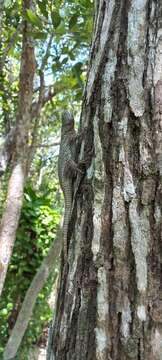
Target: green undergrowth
<point x="39" y="221"/>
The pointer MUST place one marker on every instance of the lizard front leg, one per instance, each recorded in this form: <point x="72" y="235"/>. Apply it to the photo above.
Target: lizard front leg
<point x="71" y="168"/>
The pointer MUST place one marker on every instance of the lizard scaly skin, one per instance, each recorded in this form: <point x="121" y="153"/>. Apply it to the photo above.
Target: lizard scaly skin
<point x="67" y="168"/>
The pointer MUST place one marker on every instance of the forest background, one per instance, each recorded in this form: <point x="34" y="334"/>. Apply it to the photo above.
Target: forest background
<point x="60" y="33"/>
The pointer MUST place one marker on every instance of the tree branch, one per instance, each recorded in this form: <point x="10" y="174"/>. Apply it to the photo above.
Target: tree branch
<point x="48" y="264"/>
<point x="11" y="42"/>
<point x="48" y="145"/>
<point x="43" y="99"/>
<point x="37" y="106"/>
<point x="57" y="88"/>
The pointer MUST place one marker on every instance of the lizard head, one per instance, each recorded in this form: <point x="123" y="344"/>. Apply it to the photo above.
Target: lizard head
<point x="67" y="120"/>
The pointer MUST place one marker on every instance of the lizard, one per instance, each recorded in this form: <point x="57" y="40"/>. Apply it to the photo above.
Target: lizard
<point x="67" y="169"/>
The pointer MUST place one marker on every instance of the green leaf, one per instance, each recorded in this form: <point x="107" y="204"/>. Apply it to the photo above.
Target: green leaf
<point x="27" y="197"/>
<point x="10" y="306"/>
<point x="4" y="312"/>
<point x="7" y="3"/>
<point x="57" y="66"/>
<point x="56" y="19"/>
<point x="71" y="54"/>
<point x="78" y="66"/>
<point x="61" y="28"/>
<point x="77" y="72"/>
<point x="39" y="35"/>
<point x="33" y="18"/>
<point x="65" y="60"/>
<point x="73" y="21"/>
<point x="43" y="9"/>
<point x="65" y="50"/>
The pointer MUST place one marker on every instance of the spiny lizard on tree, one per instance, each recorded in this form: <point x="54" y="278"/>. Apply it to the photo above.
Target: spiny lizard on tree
<point x="67" y="168"/>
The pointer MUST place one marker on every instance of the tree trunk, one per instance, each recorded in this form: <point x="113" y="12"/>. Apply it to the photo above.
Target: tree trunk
<point x="11" y="214"/>
<point x="110" y="300"/>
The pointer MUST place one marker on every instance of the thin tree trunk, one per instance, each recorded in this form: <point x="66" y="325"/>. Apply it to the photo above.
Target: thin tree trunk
<point x="14" y="199"/>
<point x="1" y="15"/>
<point x="48" y="264"/>
<point x="110" y="300"/>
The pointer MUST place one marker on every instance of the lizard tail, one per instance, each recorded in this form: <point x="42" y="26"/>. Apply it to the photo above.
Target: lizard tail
<point x="67" y="215"/>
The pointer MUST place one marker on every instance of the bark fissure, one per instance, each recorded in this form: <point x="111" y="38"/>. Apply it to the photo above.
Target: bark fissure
<point x="117" y="222"/>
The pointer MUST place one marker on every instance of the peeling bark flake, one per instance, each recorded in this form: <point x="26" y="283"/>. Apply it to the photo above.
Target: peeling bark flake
<point x="126" y="319"/>
<point x="119" y="222"/>
<point x="102" y="315"/>
<point x="141" y="312"/>
<point x="157" y="344"/>
<point x="137" y="27"/>
<point x="98" y="193"/>
<point x="140" y="235"/>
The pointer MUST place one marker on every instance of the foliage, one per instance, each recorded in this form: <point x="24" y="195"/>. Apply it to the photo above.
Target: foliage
<point x="39" y="220"/>
<point x="70" y="25"/>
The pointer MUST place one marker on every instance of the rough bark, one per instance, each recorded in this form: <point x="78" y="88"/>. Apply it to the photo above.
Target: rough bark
<point x="14" y="198"/>
<point x="110" y="299"/>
